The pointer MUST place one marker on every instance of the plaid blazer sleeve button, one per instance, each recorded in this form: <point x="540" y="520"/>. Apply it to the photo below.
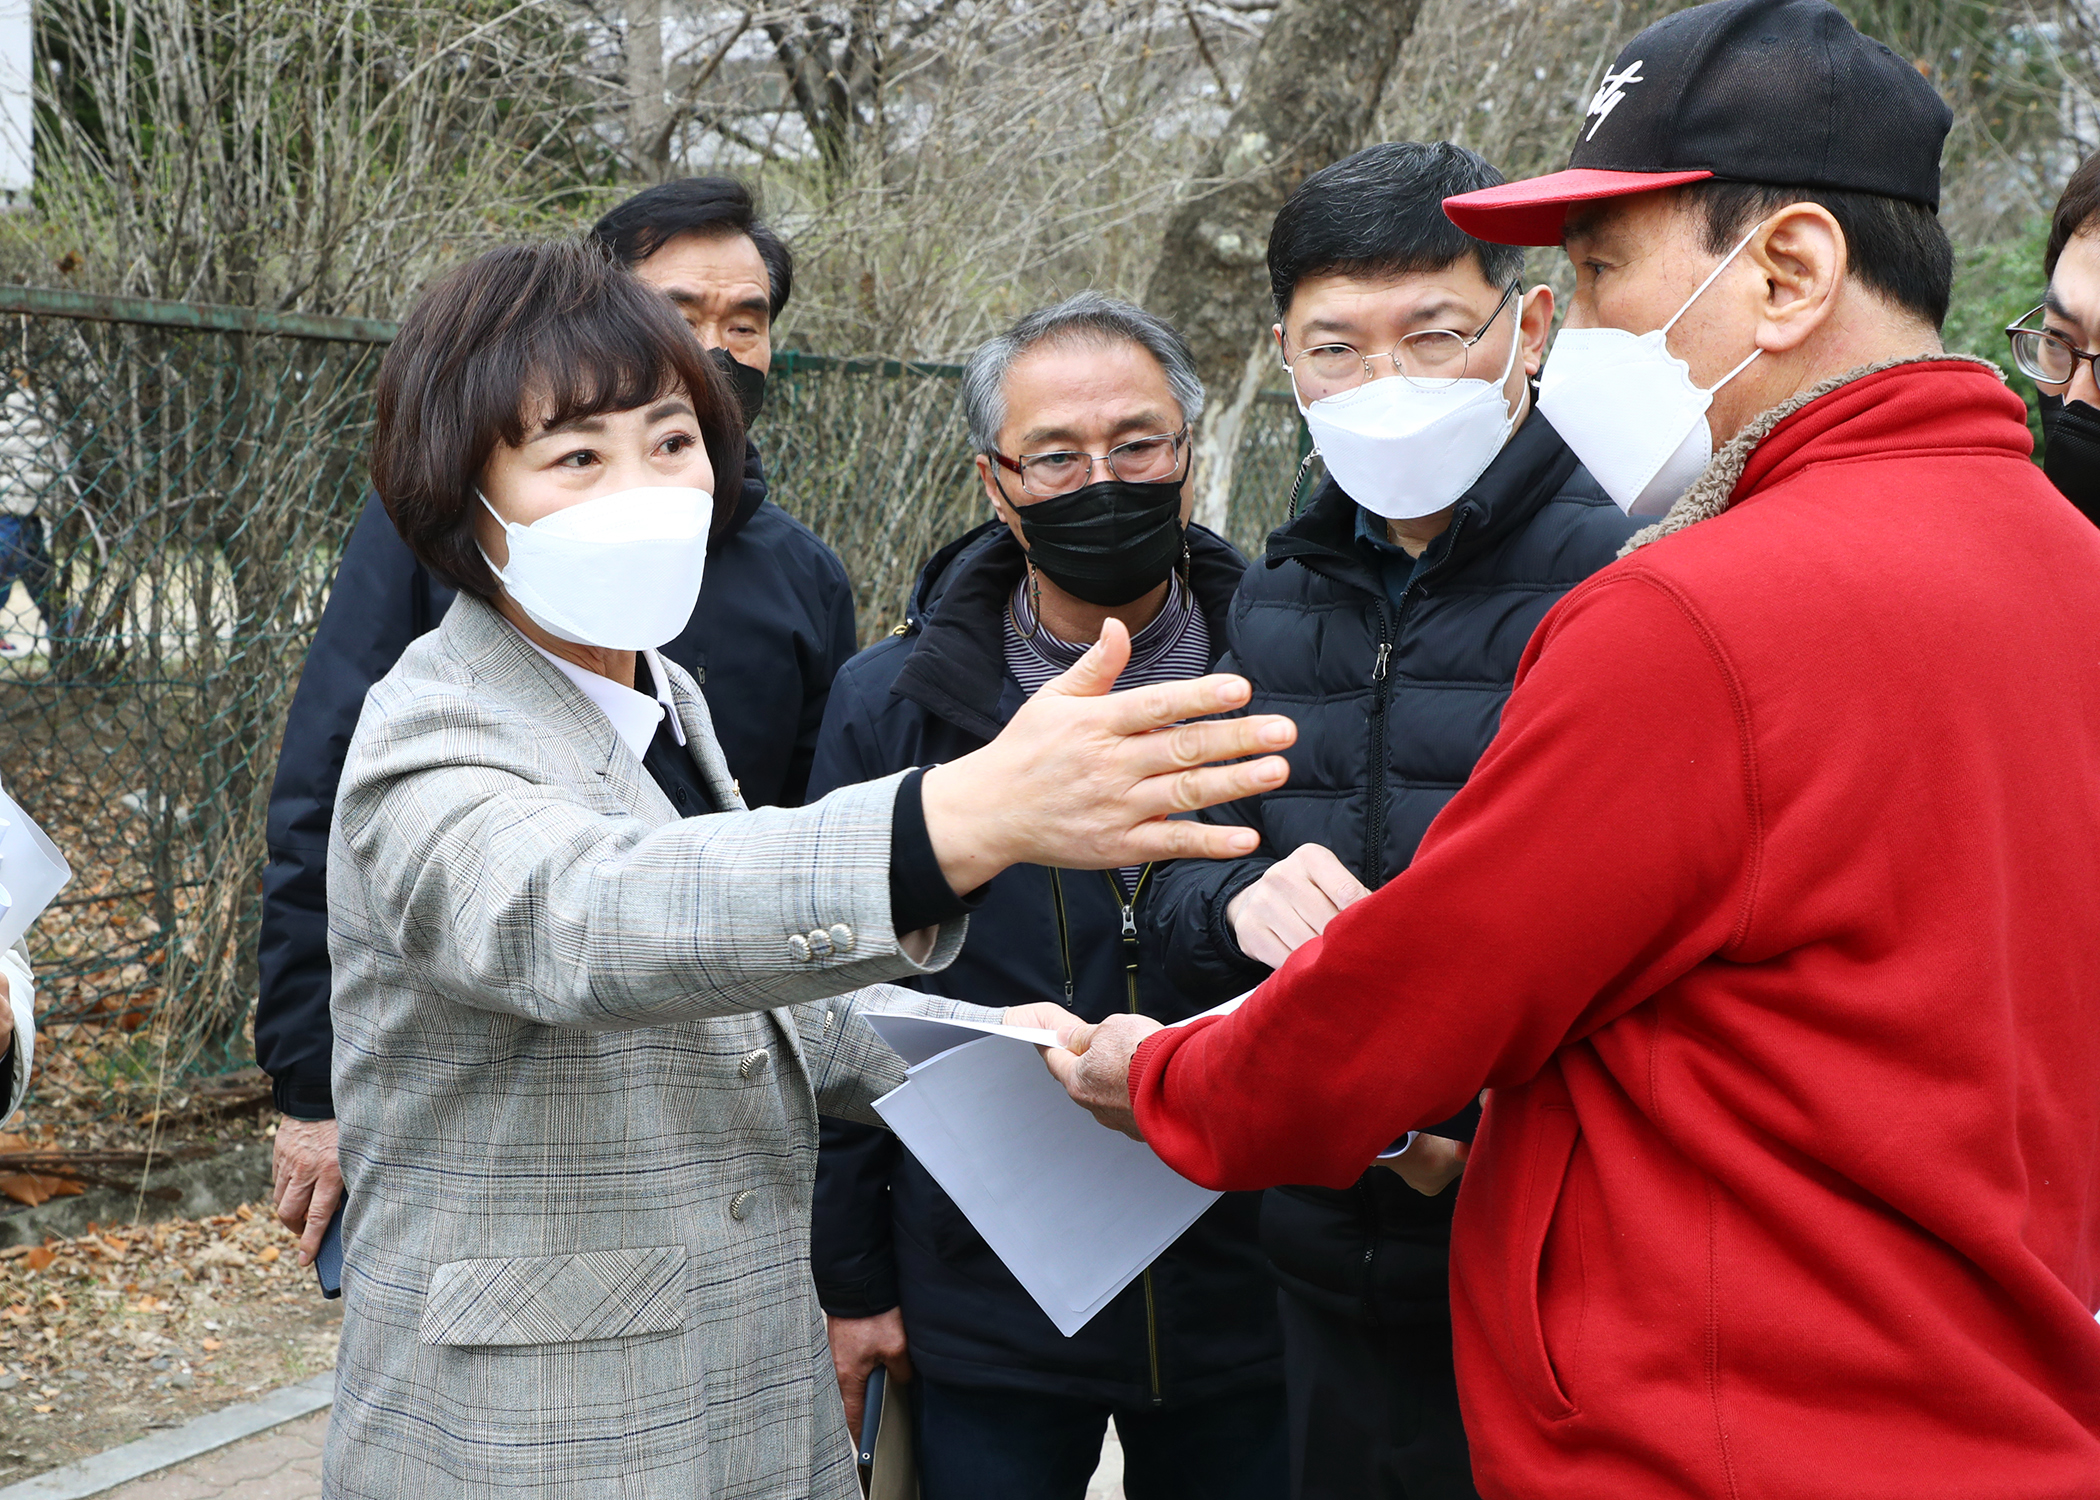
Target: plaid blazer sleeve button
<point x="798" y="948"/>
<point x="753" y="1063"/>
<point x="820" y="942"/>
<point x="740" y="1205"/>
<point x="842" y="937"/>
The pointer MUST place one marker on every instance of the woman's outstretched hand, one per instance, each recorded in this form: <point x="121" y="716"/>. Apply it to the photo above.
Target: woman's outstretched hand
<point x="1086" y="779"/>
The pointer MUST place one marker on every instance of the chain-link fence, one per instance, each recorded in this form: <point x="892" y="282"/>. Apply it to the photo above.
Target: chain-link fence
<point x="176" y="485"/>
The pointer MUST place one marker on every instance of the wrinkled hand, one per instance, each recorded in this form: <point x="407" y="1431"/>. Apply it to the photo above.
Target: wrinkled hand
<point x="1080" y="780"/>
<point x="1093" y="1063"/>
<point x="1291" y="904"/>
<point x="858" y="1345"/>
<point x="1430" y="1164"/>
<point x="306" y="1183"/>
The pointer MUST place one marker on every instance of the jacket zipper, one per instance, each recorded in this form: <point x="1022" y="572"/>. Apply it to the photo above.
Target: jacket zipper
<point x="1382" y="697"/>
<point x="1389" y="627"/>
<point x="1375" y="829"/>
<point x="1064" y="933"/>
<point x="1128" y="909"/>
<point x="1130" y="977"/>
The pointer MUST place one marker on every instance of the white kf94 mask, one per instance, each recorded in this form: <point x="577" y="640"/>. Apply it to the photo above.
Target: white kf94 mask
<point x="1627" y="406"/>
<point x="1401" y="451"/>
<point x="620" y="572"/>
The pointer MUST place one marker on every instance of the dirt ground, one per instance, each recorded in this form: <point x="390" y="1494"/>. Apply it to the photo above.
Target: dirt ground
<point x="135" y="1327"/>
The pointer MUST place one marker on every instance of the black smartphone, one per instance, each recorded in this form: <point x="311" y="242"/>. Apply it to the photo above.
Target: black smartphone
<point x="328" y="1260"/>
<point x="871" y="1415"/>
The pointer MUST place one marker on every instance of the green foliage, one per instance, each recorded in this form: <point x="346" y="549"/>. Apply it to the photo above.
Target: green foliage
<point x="1993" y="285"/>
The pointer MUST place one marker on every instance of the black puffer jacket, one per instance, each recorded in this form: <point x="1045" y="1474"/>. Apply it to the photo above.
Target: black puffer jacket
<point x="1394" y="703"/>
<point x="774" y="622"/>
<point x="1202" y="1322"/>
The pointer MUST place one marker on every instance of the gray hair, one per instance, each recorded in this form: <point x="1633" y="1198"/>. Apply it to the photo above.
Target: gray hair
<point x="1083" y="316"/>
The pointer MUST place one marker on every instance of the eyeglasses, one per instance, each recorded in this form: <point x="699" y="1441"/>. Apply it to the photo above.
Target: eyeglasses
<point x="2045" y="356"/>
<point x="1432" y="359"/>
<point x="1145" y="460"/>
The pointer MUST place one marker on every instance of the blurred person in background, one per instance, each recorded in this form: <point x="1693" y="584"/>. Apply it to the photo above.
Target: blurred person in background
<point x="17" y="1030"/>
<point x="1080" y="416"/>
<point x="33" y="463"/>
<point x="772" y="627"/>
<point x="17" y="1023"/>
<point x="18" y="1018"/>
<point x="2055" y="343"/>
<point x="1390" y="614"/>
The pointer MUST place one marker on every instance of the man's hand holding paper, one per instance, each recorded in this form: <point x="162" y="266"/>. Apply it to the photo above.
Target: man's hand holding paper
<point x="1093" y="1063"/>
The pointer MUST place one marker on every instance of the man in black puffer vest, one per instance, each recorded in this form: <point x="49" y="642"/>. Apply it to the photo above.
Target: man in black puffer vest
<point x="1387" y="618"/>
<point x="1080" y="415"/>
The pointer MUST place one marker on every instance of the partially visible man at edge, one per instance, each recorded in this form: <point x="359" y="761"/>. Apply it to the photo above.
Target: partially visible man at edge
<point x="2058" y="354"/>
<point x="1768" y="916"/>
<point x="1390" y="614"/>
<point x="773" y="625"/>
<point x="1080" y="416"/>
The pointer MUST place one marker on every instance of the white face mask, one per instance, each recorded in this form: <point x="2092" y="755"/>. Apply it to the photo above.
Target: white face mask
<point x="620" y="572"/>
<point x="1628" y="408"/>
<point x="1401" y="451"/>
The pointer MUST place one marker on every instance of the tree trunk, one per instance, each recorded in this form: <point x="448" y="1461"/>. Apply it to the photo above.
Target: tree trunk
<point x="1311" y="94"/>
<point x="648" y="134"/>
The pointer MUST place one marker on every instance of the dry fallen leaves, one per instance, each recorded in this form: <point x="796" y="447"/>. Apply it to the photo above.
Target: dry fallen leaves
<point x="30" y="1187"/>
<point x="126" y="1328"/>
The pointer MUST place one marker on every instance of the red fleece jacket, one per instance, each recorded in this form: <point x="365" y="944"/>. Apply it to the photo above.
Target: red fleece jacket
<point x="1772" y="920"/>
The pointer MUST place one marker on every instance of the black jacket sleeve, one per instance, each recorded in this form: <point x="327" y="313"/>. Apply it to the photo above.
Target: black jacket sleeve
<point x="851" y="1252"/>
<point x="835" y="605"/>
<point x="381" y="600"/>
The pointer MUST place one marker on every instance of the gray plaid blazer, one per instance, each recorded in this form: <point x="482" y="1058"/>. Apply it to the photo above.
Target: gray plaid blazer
<point x="581" y="1046"/>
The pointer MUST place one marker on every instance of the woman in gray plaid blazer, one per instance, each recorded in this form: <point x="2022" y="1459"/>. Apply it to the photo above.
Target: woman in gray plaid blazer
<point x="582" y="1040"/>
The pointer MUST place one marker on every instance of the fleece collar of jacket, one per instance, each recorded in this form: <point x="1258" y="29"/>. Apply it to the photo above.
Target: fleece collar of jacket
<point x="1714" y="490"/>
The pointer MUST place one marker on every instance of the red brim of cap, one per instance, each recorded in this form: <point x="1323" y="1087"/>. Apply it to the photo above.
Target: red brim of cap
<point x="1531" y="212"/>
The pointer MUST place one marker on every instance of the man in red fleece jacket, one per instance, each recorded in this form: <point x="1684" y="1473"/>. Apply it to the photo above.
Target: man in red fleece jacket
<point x="1769" y="920"/>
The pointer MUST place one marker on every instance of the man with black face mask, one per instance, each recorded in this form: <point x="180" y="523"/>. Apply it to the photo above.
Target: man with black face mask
<point x="1080" y="416"/>
<point x="2055" y="352"/>
<point x="772" y="626"/>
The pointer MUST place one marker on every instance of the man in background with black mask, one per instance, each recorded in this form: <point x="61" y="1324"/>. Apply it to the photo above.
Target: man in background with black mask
<point x="772" y="626"/>
<point x="1080" y="417"/>
<point x="2052" y="343"/>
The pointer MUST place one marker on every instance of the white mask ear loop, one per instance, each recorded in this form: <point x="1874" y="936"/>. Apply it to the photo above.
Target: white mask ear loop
<point x="1699" y="291"/>
<point x="1516" y="339"/>
<point x="501" y="524"/>
<point x="1711" y="277"/>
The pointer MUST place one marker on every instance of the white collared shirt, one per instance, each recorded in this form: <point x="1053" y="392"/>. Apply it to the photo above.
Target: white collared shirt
<point x="634" y="715"/>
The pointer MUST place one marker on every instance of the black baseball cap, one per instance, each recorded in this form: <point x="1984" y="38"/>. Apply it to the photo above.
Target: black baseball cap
<point x="1785" y="92"/>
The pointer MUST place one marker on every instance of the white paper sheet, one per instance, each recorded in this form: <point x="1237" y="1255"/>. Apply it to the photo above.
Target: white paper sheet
<point x="32" y="871"/>
<point x="1076" y="1211"/>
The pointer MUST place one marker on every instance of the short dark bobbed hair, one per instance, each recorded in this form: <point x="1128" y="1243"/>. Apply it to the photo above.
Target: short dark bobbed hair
<point x="522" y="338"/>
<point x="2074" y="211"/>
<point x="710" y="207"/>
<point x="1894" y="245"/>
<point x="1380" y="213"/>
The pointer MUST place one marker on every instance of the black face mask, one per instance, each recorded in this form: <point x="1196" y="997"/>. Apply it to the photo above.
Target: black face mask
<point x="2071" y="455"/>
<point x="1106" y="543"/>
<point x="750" y="384"/>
